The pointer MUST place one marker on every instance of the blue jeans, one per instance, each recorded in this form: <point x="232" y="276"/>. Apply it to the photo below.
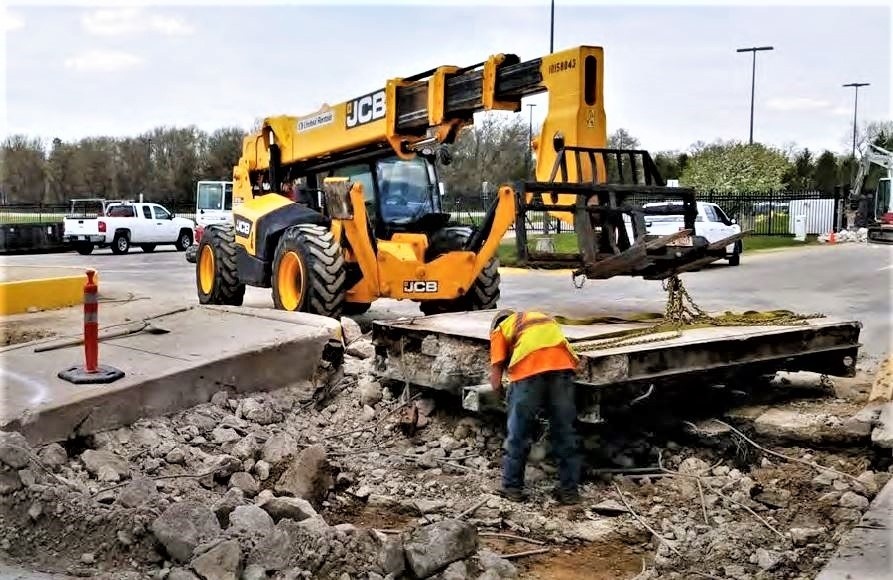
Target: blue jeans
<point x="525" y="398"/>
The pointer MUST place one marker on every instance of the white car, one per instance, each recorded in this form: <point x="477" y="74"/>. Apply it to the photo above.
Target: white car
<point x="121" y="225"/>
<point x="711" y="222"/>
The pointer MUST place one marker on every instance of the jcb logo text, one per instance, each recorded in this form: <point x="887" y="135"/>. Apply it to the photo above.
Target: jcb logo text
<point x="365" y="109"/>
<point x="243" y="227"/>
<point x="420" y="286"/>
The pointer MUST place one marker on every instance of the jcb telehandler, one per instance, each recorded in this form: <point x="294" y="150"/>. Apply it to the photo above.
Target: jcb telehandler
<point x="368" y="221"/>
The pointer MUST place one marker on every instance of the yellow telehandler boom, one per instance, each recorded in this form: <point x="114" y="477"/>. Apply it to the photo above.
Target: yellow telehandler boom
<point x="340" y="207"/>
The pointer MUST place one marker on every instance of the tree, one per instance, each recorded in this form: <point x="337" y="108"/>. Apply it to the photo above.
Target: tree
<point x="492" y="150"/>
<point x="22" y="173"/>
<point x="824" y="174"/>
<point x="621" y="139"/>
<point x="800" y="173"/>
<point x="735" y="167"/>
<point x="222" y="152"/>
<point x="670" y="164"/>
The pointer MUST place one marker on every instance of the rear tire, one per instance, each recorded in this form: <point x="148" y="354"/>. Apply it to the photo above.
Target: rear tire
<point x="484" y="292"/>
<point x="84" y="248"/>
<point x="121" y="243"/>
<point x="184" y="240"/>
<point x="148" y="248"/>
<point x="216" y="271"/>
<point x="308" y="272"/>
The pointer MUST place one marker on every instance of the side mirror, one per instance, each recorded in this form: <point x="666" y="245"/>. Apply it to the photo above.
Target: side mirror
<point x="734" y="221"/>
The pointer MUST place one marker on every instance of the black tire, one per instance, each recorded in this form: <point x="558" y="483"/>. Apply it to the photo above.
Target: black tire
<point x="735" y="258"/>
<point x="84" y="248"/>
<point x="121" y="243"/>
<point x="147" y="247"/>
<point x="226" y="288"/>
<point x="184" y="240"/>
<point x="484" y="292"/>
<point x="323" y="287"/>
<point x="355" y="308"/>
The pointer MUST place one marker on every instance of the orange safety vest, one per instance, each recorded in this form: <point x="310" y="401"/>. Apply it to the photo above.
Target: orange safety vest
<point x="531" y="331"/>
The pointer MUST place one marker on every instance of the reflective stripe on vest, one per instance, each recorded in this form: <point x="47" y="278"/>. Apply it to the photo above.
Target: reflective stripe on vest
<point x="529" y="332"/>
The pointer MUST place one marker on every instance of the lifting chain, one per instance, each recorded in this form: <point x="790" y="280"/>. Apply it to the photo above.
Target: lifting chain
<point x="682" y="312"/>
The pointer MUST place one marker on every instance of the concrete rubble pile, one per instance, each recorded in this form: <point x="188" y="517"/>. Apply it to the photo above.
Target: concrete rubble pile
<point x="859" y="235"/>
<point x="363" y="481"/>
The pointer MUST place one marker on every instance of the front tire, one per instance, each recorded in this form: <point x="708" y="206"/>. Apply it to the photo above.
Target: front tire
<point x="735" y="258"/>
<point x="484" y="292"/>
<point x="216" y="271"/>
<point x="308" y="272"/>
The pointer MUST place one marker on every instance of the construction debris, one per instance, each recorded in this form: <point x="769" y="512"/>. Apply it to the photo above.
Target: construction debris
<point x="276" y="485"/>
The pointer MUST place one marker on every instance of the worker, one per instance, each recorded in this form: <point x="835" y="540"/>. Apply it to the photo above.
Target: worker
<point x="540" y="363"/>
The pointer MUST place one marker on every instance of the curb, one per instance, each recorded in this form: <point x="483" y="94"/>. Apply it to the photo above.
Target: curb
<point x="865" y="553"/>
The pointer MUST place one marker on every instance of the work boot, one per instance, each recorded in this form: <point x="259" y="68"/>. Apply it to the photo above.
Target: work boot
<point x="510" y="493"/>
<point x="567" y="497"/>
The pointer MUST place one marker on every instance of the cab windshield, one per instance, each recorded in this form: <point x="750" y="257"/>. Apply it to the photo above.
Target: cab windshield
<point x="406" y="189"/>
<point x="214" y="196"/>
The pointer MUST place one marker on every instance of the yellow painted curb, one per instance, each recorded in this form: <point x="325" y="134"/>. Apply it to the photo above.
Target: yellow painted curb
<point x="42" y="293"/>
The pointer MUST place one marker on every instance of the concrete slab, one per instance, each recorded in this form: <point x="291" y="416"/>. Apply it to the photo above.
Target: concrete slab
<point x="866" y="551"/>
<point x="450" y="351"/>
<point x="206" y="349"/>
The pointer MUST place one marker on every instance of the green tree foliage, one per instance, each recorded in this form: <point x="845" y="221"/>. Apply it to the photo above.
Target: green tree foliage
<point x="163" y="164"/>
<point x="824" y="175"/>
<point x="22" y="170"/>
<point x="799" y="175"/>
<point x="735" y="167"/>
<point x="670" y="164"/>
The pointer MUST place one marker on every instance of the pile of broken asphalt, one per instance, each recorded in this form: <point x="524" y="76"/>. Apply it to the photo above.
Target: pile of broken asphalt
<point x="333" y="481"/>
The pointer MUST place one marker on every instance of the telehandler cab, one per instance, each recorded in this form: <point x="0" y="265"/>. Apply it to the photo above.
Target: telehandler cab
<point x="367" y="220"/>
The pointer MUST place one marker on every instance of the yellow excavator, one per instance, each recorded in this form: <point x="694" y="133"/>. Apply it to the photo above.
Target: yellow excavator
<point x="338" y="208"/>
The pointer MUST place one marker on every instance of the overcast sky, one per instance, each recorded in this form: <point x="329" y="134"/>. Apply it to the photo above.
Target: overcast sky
<point x="672" y="76"/>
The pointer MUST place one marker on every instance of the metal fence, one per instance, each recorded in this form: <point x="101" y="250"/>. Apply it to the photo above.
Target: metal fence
<point x="42" y="213"/>
<point x="762" y="214"/>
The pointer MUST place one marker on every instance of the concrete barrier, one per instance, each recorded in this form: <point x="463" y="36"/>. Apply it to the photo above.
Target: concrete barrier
<point x="42" y="293"/>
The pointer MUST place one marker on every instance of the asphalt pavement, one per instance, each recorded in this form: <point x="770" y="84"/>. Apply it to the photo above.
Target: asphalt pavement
<point x="851" y="281"/>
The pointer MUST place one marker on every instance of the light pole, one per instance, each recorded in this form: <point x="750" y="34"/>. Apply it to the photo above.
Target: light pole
<point x="552" y="29"/>
<point x="855" y="109"/>
<point x="753" y="74"/>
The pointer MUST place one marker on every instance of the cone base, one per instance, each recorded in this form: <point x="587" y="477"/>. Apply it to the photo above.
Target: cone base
<point x="79" y="375"/>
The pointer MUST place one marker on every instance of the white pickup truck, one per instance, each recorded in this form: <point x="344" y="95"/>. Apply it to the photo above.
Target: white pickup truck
<point x="121" y="225"/>
<point x="712" y="223"/>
